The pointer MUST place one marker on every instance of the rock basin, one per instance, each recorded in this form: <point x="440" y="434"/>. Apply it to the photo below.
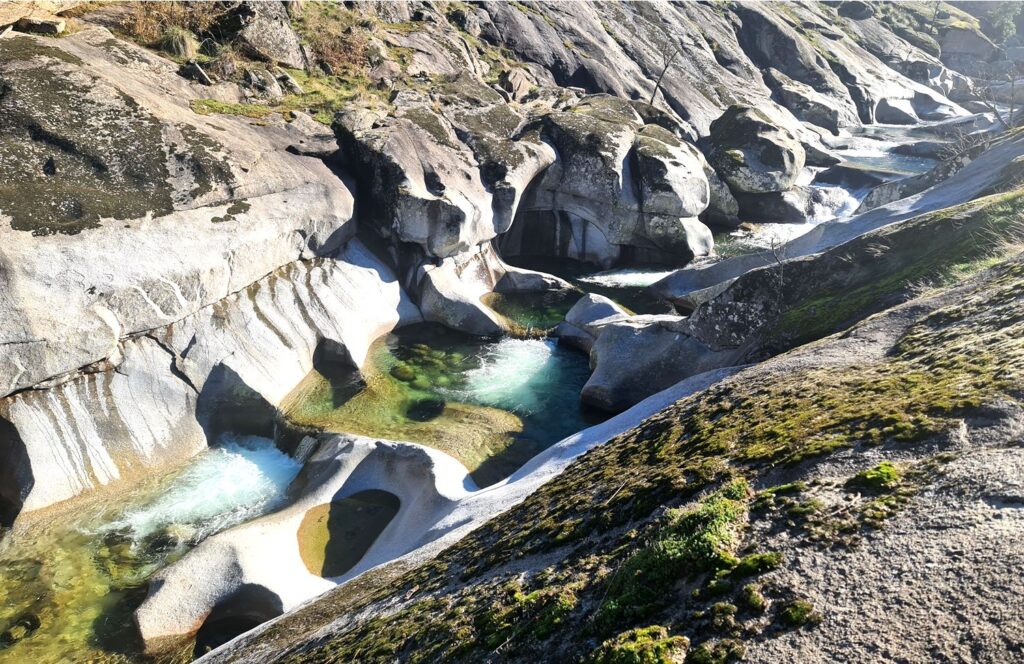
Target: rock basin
<point x="490" y="403"/>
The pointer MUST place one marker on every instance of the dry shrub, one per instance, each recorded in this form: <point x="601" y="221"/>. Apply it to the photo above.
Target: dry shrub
<point x="332" y="35"/>
<point x="152" y="22"/>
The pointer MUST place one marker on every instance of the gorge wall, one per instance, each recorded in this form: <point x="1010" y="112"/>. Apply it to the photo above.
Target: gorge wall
<point x="186" y="233"/>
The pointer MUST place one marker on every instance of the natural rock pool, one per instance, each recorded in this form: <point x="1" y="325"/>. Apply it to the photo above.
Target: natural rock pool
<point x="69" y="582"/>
<point x="491" y="404"/>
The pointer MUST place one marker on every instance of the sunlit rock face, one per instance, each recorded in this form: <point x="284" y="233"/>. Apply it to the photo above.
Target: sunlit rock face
<point x="225" y="368"/>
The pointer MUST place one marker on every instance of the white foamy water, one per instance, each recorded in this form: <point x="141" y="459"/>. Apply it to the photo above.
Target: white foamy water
<point x="525" y="376"/>
<point x="834" y="203"/>
<point x="509" y="374"/>
<point x="625" y="278"/>
<point x="239" y="480"/>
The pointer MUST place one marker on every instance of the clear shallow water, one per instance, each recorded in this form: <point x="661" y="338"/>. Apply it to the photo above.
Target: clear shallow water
<point x="69" y="582"/>
<point x="837" y="203"/>
<point x="871" y="148"/>
<point x="625" y="278"/>
<point x="492" y="404"/>
<point x="533" y="313"/>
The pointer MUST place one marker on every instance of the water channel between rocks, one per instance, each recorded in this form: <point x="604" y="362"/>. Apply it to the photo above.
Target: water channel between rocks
<point x="70" y="581"/>
<point x="491" y="404"/>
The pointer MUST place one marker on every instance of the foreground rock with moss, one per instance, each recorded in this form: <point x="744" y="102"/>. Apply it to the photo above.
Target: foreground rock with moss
<point x="852" y="499"/>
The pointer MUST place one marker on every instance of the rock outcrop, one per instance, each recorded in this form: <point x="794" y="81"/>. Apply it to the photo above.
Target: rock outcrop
<point x="691" y="286"/>
<point x="583" y="322"/>
<point x="753" y="154"/>
<point x="816" y="477"/>
<point x="153" y="214"/>
<point x="224" y="368"/>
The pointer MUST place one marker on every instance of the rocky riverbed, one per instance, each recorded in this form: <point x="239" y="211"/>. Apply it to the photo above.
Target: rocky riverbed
<point x="443" y="331"/>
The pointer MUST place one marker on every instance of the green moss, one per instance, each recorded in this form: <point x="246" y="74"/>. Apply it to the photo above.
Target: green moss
<point x="757" y="563"/>
<point x="74" y="151"/>
<point x="769" y="496"/>
<point x="717" y="652"/>
<point x="960" y="242"/>
<point x="798" y="613"/>
<point x="693" y="541"/>
<point x="645" y="645"/>
<point x="431" y="123"/>
<point x="213" y="106"/>
<point x="806" y="507"/>
<point x="885" y="475"/>
<point x="752" y="599"/>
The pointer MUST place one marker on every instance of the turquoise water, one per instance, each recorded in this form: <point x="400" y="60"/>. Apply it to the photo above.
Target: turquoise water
<point x="70" y="582"/>
<point x="534" y="378"/>
<point x="490" y="403"/>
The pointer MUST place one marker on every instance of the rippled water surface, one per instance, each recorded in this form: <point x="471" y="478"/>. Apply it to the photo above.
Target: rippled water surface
<point x="69" y="582"/>
<point x="492" y="404"/>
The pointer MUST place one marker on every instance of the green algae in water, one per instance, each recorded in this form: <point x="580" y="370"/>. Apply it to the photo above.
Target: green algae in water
<point x="534" y="311"/>
<point x="490" y="404"/>
<point x="71" y="578"/>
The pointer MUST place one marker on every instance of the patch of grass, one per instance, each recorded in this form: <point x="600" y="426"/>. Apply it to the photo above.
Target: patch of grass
<point x="154" y="23"/>
<point x="890" y="265"/>
<point x="644" y="645"/>
<point x="798" y="613"/>
<point x="885" y="475"/>
<point x="334" y="34"/>
<point x="213" y="106"/>
<point x="693" y="541"/>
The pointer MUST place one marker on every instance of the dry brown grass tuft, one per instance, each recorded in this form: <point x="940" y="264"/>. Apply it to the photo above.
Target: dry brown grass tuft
<point x="333" y="35"/>
<point x="150" y="22"/>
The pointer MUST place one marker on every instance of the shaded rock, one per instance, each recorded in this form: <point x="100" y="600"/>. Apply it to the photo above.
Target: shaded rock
<point x="583" y="322"/>
<point x="809" y="105"/>
<point x="287" y="81"/>
<point x="752" y="154"/>
<point x="637" y="357"/>
<point x="723" y="210"/>
<point x="517" y="83"/>
<point x="385" y="74"/>
<point x="856" y="9"/>
<point x="791" y="206"/>
<point x="966" y="49"/>
<point x="192" y="71"/>
<point x="42" y="26"/>
<point x="771" y="41"/>
<point x="637" y="187"/>
<point x="591" y="308"/>
<point x="895" y="111"/>
<point x="925" y="149"/>
<point x="267" y="33"/>
<point x="261" y="83"/>
<point x="13" y="10"/>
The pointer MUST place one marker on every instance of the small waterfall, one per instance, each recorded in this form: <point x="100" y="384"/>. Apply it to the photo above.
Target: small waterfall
<point x="626" y="278"/>
<point x="236" y="481"/>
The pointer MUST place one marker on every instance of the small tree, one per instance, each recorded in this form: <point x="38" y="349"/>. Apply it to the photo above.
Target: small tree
<point x="1000" y="21"/>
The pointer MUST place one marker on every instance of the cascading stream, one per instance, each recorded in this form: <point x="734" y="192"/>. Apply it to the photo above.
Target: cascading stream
<point x="69" y="581"/>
